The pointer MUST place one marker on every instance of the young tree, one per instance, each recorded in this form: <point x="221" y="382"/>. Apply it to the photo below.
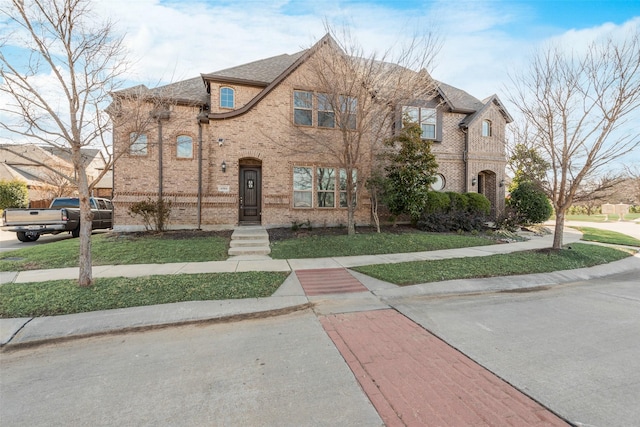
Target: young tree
<point x="577" y="106"/>
<point x="79" y="59"/>
<point x="361" y="95"/>
<point x="410" y="171"/>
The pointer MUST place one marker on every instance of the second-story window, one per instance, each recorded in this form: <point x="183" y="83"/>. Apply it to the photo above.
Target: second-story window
<point x="326" y="115"/>
<point x="138" y="144"/>
<point x="348" y="107"/>
<point x="426" y="118"/>
<point x="302" y="108"/>
<point x="184" y="147"/>
<point x="227" y="97"/>
<point x="486" y="128"/>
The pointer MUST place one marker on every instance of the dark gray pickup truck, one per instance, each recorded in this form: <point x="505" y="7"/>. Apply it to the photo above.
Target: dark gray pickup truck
<point x="63" y="215"/>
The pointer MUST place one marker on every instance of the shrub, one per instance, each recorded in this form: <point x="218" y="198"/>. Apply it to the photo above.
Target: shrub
<point x="478" y="203"/>
<point x="530" y="203"/>
<point x="437" y="202"/>
<point x="13" y="194"/>
<point x="454" y="212"/>
<point x="155" y="213"/>
<point x="457" y="201"/>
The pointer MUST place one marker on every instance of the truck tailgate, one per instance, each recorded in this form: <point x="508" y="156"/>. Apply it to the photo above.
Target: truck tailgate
<point x="32" y="216"/>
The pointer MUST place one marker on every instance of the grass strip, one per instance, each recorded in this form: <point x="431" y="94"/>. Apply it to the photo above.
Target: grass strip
<point x="526" y="262"/>
<point x="116" y="250"/>
<point x="371" y="244"/>
<point x="66" y="297"/>
<point x="606" y="236"/>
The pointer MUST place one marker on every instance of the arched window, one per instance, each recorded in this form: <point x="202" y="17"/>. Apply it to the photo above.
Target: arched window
<point x="486" y="128"/>
<point x="184" y="146"/>
<point x="227" y="96"/>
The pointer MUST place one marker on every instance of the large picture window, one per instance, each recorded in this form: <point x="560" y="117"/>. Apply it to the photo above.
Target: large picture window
<point x="184" y="147"/>
<point x="302" y="187"/>
<point x="321" y="187"/>
<point x="426" y="118"/>
<point x="302" y="108"/>
<point x="227" y="97"/>
<point x="138" y="144"/>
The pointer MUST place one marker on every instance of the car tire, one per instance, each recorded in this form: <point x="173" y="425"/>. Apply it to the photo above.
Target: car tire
<point x="76" y="232"/>
<point x="22" y="236"/>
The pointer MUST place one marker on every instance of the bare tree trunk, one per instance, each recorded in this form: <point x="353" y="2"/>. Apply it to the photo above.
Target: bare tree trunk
<point x="85" y="277"/>
<point x="558" y="231"/>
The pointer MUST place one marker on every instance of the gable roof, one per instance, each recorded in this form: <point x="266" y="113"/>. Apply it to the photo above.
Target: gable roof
<point x="486" y="103"/>
<point x="257" y="73"/>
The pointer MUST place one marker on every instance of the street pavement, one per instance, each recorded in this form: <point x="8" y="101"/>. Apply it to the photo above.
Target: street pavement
<point x="390" y="388"/>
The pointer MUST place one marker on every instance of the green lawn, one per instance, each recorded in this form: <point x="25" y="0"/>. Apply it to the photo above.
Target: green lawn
<point x="66" y="297"/>
<point x="409" y="273"/>
<point x="371" y="244"/>
<point x="606" y="236"/>
<point x="116" y="249"/>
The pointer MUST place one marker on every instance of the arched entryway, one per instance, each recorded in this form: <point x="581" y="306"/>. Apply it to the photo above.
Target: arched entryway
<point x="250" y="191"/>
<point x="488" y="186"/>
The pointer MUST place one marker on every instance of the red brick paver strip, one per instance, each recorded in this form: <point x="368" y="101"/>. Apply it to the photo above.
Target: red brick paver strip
<point x="328" y="281"/>
<point x="415" y="379"/>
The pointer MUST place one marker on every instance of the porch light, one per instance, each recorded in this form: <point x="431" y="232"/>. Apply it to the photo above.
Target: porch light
<point x="502" y="182"/>
<point x="473" y="182"/>
<point x="223" y="166"/>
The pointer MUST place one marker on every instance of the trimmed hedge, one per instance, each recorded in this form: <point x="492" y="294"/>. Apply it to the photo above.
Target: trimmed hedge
<point x="454" y="212"/>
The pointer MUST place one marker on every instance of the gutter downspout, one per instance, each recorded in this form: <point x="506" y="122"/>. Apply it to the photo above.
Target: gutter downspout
<point x="202" y="118"/>
<point x="465" y="158"/>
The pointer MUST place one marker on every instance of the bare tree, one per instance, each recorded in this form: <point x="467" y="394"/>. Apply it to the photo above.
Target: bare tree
<point x="595" y="192"/>
<point x="360" y="94"/>
<point x="80" y="59"/>
<point x="579" y="107"/>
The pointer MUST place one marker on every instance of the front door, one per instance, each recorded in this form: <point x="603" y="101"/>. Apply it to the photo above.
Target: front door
<point x="250" y="194"/>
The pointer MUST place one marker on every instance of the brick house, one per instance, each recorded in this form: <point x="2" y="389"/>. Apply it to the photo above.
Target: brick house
<point x="225" y="150"/>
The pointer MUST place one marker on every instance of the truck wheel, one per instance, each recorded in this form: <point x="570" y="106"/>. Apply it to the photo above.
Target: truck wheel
<point x="22" y="236"/>
<point x="32" y="237"/>
<point x="76" y="232"/>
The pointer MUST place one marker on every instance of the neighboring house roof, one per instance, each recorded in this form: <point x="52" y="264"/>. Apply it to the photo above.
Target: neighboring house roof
<point x="25" y="162"/>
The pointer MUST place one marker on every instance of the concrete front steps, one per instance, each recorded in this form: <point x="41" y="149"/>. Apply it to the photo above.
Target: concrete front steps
<point x="249" y="241"/>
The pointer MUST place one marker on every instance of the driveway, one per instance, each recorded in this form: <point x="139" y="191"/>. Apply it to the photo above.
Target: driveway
<point x="630" y="228"/>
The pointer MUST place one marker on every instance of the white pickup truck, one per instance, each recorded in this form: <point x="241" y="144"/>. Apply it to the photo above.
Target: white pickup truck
<point x="63" y="215"/>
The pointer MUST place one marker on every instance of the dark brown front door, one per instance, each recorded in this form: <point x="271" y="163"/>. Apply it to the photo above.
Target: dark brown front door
<point x="250" y="194"/>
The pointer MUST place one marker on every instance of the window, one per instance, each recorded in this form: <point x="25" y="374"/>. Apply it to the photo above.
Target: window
<point x="343" y="187"/>
<point x="322" y="190"/>
<point x="184" y="146"/>
<point x="326" y="181"/>
<point x="425" y="117"/>
<point x="302" y="187"/>
<point x="348" y="108"/>
<point x="302" y="108"/>
<point x="326" y="116"/>
<point x="486" y="128"/>
<point x="439" y="183"/>
<point x="138" y="143"/>
<point x="227" y="96"/>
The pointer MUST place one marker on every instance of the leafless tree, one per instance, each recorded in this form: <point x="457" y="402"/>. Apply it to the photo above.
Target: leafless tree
<point x="595" y="192"/>
<point x="581" y="110"/>
<point x="80" y="59"/>
<point x="360" y="95"/>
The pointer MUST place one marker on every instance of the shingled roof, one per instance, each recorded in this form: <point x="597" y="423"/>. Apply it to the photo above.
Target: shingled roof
<point x="259" y="73"/>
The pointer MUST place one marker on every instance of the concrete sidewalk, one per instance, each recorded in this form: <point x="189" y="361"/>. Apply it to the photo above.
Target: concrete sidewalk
<point x="289" y="297"/>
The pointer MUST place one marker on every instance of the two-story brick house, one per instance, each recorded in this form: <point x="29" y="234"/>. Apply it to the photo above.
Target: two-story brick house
<point x="226" y="149"/>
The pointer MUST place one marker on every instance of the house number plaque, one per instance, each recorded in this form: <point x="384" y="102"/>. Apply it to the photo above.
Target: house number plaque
<point x="250" y="184"/>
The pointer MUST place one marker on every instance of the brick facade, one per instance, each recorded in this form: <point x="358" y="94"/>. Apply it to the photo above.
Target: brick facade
<point x="265" y="138"/>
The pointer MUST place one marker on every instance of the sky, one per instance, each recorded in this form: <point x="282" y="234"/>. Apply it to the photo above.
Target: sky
<point x="483" y="41"/>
